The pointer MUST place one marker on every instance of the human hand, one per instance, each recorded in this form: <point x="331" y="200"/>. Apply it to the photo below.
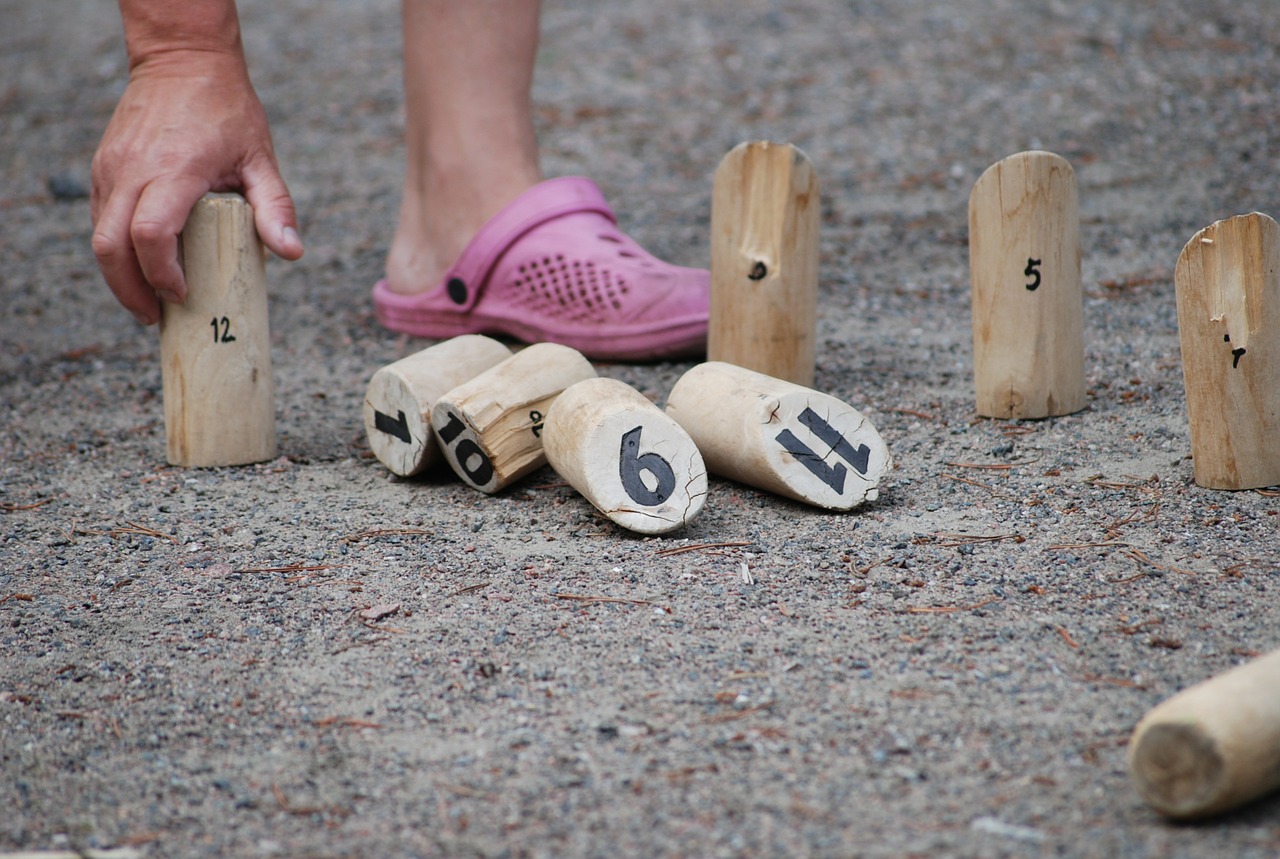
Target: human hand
<point x="188" y="123"/>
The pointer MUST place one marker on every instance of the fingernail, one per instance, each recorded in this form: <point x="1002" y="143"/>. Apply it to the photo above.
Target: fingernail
<point x="142" y="318"/>
<point x="169" y="296"/>
<point x="290" y="236"/>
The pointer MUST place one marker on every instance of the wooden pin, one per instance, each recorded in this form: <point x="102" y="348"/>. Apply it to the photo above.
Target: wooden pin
<point x="215" y="349"/>
<point x="635" y="464"/>
<point x="1028" y="301"/>
<point x="490" y="427"/>
<point x="780" y="436"/>
<point x="1214" y="746"/>
<point x="764" y="261"/>
<point x="400" y="396"/>
<point x="1228" y="288"/>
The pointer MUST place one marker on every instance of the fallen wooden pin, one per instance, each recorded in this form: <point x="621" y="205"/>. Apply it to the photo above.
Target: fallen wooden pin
<point x="1028" y="300"/>
<point x="779" y="436"/>
<point x="490" y="426"/>
<point x="1214" y="746"/>
<point x="628" y="458"/>
<point x="400" y="396"/>
<point x="215" y="348"/>
<point x="1228" y="289"/>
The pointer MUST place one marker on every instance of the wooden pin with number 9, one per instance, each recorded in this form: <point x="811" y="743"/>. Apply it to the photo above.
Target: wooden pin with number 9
<point x="629" y="459"/>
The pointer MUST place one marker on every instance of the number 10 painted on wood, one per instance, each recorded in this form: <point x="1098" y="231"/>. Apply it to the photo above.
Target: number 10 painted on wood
<point x="1028" y="304"/>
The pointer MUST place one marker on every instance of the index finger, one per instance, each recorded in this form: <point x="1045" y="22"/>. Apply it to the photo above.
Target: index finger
<point x="158" y="218"/>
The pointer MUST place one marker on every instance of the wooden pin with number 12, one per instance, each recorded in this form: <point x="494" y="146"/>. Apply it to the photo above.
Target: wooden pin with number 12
<point x="215" y="349"/>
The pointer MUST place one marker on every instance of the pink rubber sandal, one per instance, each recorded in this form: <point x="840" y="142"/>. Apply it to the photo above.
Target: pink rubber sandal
<point x="553" y="266"/>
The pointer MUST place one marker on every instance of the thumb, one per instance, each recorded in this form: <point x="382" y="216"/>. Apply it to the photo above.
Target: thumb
<point x="273" y="211"/>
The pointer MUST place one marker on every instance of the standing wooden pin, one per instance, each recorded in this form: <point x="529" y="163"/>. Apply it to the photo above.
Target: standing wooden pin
<point x="1228" y="286"/>
<point x="490" y="427"/>
<point x="215" y="349"/>
<point x="635" y="464"/>
<point x="764" y="261"/>
<point x="1213" y="746"/>
<point x="400" y="396"/>
<point x="779" y="436"/>
<point x="1028" y="302"/>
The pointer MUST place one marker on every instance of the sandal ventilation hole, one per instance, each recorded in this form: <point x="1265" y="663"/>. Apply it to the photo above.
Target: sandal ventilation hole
<point x="575" y="290"/>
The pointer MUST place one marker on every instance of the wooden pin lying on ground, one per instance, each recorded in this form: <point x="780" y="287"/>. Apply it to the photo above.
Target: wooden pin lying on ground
<point x="780" y="436"/>
<point x="1214" y="746"/>
<point x="1028" y="302"/>
<point x="490" y="427"/>
<point x="635" y="464"/>
<point x="1228" y="287"/>
<point x="764" y="261"/>
<point x="400" y="396"/>
<point x="215" y="349"/>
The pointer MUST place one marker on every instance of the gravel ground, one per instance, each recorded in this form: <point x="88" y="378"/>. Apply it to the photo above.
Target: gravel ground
<point x="952" y="670"/>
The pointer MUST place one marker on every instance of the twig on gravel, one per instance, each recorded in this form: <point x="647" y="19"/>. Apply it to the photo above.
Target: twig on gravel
<point x="132" y="528"/>
<point x="593" y="599"/>
<point x="1111" y="681"/>
<point x="679" y="550"/>
<point x="1106" y="544"/>
<point x="386" y="532"/>
<point x="861" y="572"/>
<point x="1139" y="627"/>
<point x="469" y="589"/>
<point x="979" y="484"/>
<point x="22" y="597"/>
<point x="344" y="722"/>
<point x="1140" y="556"/>
<point x="1066" y="636"/>
<point x="7" y="507"/>
<point x="983" y="466"/>
<point x="950" y="609"/>
<point x="734" y="716"/>
<point x="924" y="416"/>
<point x="952" y="540"/>
<point x="1150" y="485"/>
<point x="290" y="568"/>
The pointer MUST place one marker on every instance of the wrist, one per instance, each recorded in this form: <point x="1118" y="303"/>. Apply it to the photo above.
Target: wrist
<point x="155" y="33"/>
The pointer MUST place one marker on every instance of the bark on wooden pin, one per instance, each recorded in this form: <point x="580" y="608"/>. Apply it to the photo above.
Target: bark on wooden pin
<point x="779" y="436"/>
<point x="1214" y="746"/>
<point x="1028" y="303"/>
<point x="626" y="456"/>
<point x="400" y="396"/>
<point x="215" y="349"/>
<point x="764" y="261"/>
<point x="490" y="427"/>
<point x="1228" y="288"/>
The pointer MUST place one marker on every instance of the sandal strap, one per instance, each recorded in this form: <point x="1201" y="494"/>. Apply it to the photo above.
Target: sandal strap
<point x="554" y="198"/>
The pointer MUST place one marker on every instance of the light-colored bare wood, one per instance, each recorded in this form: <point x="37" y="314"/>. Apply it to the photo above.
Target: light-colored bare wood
<point x="215" y="350"/>
<point x="626" y="456"/>
<point x="1214" y="746"/>
<point x="779" y="436"/>
<point x="764" y="261"/>
<point x="1228" y="288"/>
<point x="1028" y="302"/>
<point x="400" y="396"/>
<point x="490" y="427"/>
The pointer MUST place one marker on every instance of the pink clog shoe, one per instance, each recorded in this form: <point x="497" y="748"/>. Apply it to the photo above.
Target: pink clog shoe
<point x="553" y="266"/>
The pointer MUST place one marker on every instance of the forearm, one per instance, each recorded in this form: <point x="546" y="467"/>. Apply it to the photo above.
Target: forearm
<point x="156" y="28"/>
